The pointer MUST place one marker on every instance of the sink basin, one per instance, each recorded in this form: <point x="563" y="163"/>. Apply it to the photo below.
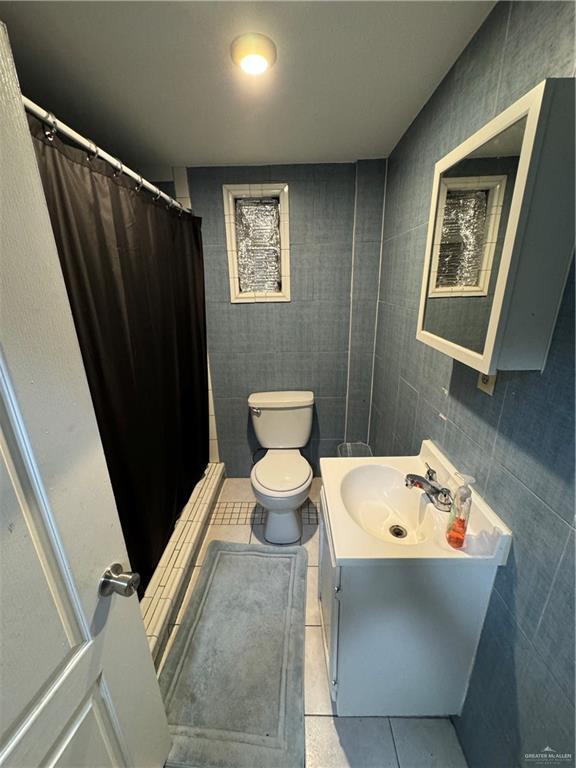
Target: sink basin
<point x="377" y="499"/>
<point x="371" y="514"/>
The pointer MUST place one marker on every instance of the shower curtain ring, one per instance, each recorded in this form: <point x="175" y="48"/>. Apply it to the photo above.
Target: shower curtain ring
<point x="51" y="131"/>
<point x="158" y="194"/>
<point x="119" y="170"/>
<point x="138" y="186"/>
<point x="93" y="152"/>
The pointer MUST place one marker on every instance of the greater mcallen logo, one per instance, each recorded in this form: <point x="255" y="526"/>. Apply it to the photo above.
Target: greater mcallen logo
<point x="548" y="755"/>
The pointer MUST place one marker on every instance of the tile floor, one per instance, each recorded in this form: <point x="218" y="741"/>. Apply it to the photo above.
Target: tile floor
<point x="331" y="742"/>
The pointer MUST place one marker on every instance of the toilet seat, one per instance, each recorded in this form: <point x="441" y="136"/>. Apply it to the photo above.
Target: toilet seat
<point x="282" y="472"/>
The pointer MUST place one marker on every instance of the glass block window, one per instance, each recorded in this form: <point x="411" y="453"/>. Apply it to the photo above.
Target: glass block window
<point x="469" y="212"/>
<point x="258" y="244"/>
<point x="462" y="247"/>
<point x="256" y="218"/>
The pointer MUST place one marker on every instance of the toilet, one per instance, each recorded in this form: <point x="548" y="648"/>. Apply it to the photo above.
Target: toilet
<point x="281" y="479"/>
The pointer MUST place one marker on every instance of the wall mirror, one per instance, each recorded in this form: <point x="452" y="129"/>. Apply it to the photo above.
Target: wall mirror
<point x="482" y="249"/>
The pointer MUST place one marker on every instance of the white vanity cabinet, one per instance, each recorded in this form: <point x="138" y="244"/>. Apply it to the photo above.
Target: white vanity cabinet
<point x="329" y="597"/>
<point x="400" y="635"/>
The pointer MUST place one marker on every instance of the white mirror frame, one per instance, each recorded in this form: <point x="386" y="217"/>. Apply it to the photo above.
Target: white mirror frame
<point x="529" y="106"/>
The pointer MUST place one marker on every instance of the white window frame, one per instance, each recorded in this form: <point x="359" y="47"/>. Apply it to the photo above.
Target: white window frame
<point x="496" y="186"/>
<point x="231" y="193"/>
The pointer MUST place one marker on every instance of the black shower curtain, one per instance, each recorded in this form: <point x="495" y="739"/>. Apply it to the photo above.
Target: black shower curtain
<point x="134" y="276"/>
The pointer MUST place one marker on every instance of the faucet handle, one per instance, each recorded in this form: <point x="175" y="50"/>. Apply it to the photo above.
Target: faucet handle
<point x="431" y="474"/>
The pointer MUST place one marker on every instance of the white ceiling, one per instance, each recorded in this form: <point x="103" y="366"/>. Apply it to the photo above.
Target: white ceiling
<point x="153" y="82"/>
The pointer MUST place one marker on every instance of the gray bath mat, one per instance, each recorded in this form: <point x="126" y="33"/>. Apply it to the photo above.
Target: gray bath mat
<point x="233" y="680"/>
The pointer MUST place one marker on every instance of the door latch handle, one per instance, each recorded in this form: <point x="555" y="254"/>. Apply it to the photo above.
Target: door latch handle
<point x="116" y="581"/>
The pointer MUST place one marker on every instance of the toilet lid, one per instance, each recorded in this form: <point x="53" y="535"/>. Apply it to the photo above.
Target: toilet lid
<point x="282" y="470"/>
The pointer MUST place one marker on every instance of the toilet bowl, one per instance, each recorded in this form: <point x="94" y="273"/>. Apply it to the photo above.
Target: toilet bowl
<point x="282" y="423"/>
<point x="281" y="481"/>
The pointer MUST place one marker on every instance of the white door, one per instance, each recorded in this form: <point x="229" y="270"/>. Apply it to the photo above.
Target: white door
<point x="77" y="682"/>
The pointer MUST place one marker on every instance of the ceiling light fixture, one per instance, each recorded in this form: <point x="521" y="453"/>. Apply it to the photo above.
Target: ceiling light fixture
<point x="253" y="53"/>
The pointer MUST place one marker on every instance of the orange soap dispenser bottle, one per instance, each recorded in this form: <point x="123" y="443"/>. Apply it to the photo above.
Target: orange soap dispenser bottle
<point x="460" y="513"/>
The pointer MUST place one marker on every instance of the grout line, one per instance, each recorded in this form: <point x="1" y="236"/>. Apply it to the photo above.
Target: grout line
<point x="512" y="618"/>
<point x="396" y="403"/>
<point x="394" y="742"/>
<point x="351" y="300"/>
<point x="552" y="585"/>
<point x="520" y="626"/>
<point x="501" y="68"/>
<point x="377" y="305"/>
<point x="531" y="640"/>
<point x="405" y="231"/>
<point x="419" y="398"/>
<point x="496" y="433"/>
<point x="540" y="499"/>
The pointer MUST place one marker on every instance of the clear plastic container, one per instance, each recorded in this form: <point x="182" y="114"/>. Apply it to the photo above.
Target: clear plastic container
<point x="354" y="449"/>
<point x="460" y="513"/>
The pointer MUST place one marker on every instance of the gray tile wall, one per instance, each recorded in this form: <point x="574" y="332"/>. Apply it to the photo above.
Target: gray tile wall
<point x="370" y="185"/>
<point x="168" y="187"/>
<point x="519" y="443"/>
<point x="302" y="344"/>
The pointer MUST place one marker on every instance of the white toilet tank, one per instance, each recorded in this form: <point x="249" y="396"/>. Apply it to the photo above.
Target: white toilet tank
<point x="282" y="419"/>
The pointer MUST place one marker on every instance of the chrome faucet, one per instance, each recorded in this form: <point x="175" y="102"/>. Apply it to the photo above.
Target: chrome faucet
<point x="439" y="496"/>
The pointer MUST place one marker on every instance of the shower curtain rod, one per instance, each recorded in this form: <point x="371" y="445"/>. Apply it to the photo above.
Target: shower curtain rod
<point x="57" y="126"/>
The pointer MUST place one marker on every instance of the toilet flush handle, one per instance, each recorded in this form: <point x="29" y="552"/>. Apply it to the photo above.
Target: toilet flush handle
<point x="255" y="411"/>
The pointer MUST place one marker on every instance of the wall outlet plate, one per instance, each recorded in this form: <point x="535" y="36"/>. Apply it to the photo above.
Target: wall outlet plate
<point x="487" y="383"/>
